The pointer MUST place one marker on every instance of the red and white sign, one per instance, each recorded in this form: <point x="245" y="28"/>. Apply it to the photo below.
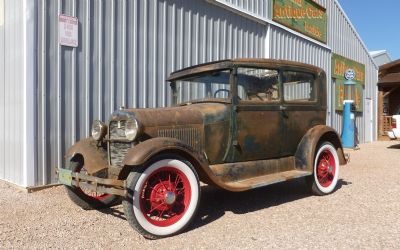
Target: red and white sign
<point x="68" y="30"/>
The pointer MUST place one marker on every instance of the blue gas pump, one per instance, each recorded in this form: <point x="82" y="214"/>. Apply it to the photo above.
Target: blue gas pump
<point x="348" y="133"/>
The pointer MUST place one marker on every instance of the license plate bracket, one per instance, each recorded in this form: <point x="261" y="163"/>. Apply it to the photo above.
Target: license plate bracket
<point x="65" y="176"/>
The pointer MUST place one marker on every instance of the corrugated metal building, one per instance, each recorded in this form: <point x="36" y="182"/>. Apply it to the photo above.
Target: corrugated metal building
<point x="51" y="93"/>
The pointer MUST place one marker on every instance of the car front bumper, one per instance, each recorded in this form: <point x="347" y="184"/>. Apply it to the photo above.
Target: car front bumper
<point x="92" y="183"/>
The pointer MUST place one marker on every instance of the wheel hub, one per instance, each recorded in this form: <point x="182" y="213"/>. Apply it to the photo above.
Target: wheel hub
<point x="170" y="197"/>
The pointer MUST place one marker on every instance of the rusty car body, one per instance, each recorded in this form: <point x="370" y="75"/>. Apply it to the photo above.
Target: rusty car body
<point x="236" y="124"/>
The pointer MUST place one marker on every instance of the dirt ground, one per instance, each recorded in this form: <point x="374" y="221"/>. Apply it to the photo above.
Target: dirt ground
<point x="364" y="213"/>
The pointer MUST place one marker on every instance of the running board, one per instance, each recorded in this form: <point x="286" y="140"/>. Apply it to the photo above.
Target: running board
<point x="266" y="180"/>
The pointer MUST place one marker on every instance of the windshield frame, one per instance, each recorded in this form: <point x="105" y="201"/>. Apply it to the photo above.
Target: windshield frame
<point x="204" y="100"/>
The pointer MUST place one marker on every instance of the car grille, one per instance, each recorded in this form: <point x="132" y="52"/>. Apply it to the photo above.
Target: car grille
<point x="191" y="136"/>
<point x="117" y="130"/>
<point x="118" y="149"/>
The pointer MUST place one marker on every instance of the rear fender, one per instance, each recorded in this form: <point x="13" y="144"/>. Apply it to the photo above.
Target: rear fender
<point x="304" y="157"/>
<point x="94" y="157"/>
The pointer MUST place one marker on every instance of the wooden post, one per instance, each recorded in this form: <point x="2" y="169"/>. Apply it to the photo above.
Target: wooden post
<point x="380" y="114"/>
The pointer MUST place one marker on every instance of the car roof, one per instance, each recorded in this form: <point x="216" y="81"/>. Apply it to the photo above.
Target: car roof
<point x="225" y="64"/>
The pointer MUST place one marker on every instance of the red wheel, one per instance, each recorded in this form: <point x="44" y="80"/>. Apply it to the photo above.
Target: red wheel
<point x="163" y="198"/>
<point x="326" y="169"/>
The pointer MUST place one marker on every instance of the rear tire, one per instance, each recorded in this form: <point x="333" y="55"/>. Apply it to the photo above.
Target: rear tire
<point x="163" y="197"/>
<point x="326" y="170"/>
<point x="85" y="199"/>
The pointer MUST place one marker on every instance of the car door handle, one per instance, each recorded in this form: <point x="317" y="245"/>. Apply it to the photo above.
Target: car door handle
<point x="283" y="109"/>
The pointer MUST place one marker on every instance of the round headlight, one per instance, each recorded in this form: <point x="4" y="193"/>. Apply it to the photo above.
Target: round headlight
<point x="131" y="129"/>
<point x="99" y="130"/>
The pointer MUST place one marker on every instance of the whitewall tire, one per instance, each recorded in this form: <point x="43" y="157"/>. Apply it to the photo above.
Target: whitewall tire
<point x="163" y="197"/>
<point x="326" y="169"/>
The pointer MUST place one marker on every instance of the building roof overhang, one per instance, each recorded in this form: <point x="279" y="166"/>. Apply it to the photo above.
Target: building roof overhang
<point x="389" y="74"/>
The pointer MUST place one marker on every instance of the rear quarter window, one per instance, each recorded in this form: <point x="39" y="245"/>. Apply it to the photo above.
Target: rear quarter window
<point x="298" y="87"/>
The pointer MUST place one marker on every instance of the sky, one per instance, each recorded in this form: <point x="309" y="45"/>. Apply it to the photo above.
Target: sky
<point x="377" y="23"/>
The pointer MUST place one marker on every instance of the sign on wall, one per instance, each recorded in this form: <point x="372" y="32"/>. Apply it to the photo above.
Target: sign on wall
<point x="68" y="31"/>
<point x="304" y="16"/>
<point x="341" y="67"/>
<point x="340" y="64"/>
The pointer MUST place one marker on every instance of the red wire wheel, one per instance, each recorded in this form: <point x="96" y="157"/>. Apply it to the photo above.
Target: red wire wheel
<point x="165" y="196"/>
<point x="162" y="197"/>
<point x="326" y="169"/>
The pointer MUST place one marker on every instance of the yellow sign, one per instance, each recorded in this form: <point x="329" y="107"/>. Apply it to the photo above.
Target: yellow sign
<point x="304" y="16"/>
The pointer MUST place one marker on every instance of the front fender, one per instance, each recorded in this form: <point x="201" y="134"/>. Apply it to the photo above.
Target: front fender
<point x="144" y="151"/>
<point x="94" y="157"/>
<point x="304" y="157"/>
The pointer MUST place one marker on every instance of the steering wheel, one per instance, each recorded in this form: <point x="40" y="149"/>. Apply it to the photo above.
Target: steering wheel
<point x="221" y="90"/>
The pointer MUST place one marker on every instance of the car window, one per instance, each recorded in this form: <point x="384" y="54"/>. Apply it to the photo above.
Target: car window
<point x="206" y="86"/>
<point x="258" y="85"/>
<point x="298" y="86"/>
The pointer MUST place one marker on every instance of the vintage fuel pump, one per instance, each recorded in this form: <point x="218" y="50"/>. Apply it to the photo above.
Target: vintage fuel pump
<point x="348" y="133"/>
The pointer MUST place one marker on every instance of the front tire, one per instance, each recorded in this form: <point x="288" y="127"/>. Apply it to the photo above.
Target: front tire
<point x="163" y="197"/>
<point x="326" y="170"/>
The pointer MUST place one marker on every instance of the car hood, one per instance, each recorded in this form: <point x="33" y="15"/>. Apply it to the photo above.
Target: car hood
<point x="198" y="113"/>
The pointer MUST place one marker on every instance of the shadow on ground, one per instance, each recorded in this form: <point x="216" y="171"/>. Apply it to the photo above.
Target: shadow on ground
<point x="215" y="202"/>
<point x="395" y="146"/>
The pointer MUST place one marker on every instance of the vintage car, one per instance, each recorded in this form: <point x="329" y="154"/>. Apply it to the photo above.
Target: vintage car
<point x="236" y="124"/>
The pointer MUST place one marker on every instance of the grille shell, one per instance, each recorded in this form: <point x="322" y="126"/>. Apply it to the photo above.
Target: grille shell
<point x="118" y="149"/>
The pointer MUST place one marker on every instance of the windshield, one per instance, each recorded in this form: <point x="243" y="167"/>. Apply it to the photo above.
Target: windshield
<point x="210" y="86"/>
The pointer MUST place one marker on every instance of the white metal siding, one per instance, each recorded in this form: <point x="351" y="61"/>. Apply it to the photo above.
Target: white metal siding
<point x="11" y="96"/>
<point x="255" y="7"/>
<point x="126" y="50"/>
<point x="2" y="93"/>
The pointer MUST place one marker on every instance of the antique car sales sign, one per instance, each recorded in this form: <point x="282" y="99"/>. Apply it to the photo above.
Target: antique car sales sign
<point x="304" y="16"/>
<point x="68" y="30"/>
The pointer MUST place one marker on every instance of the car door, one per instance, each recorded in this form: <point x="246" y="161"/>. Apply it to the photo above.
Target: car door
<point x="258" y="121"/>
<point x="301" y="109"/>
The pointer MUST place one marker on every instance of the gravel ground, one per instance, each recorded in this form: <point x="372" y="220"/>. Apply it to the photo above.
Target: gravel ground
<point x="362" y="213"/>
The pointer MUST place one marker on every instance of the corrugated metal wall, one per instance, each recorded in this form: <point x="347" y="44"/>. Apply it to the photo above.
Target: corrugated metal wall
<point x="257" y="7"/>
<point x="11" y="94"/>
<point x="126" y="50"/>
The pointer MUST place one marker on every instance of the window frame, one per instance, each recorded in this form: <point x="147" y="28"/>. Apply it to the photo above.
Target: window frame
<point x="300" y="102"/>
<point x="259" y="102"/>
